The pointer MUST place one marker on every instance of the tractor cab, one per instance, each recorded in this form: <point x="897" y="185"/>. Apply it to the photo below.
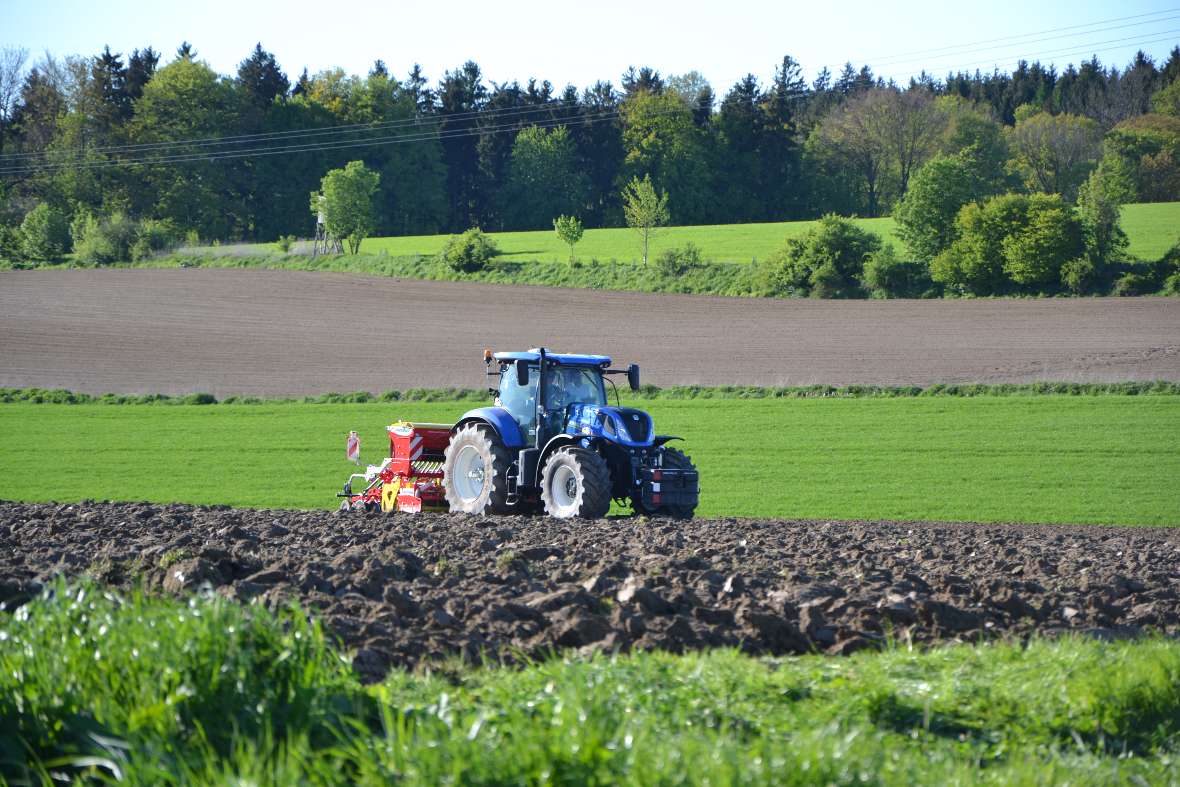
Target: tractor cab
<point x="540" y="397"/>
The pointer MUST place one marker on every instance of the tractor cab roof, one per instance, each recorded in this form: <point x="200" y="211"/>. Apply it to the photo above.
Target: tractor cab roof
<point x="558" y="358"/>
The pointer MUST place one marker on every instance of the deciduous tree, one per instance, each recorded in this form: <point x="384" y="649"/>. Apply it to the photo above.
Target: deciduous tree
<point x="45" y="234"/>
<point x="1013" y="242"/>
<point x="346" y="199"/>
<point x="543" y="178"/>
<point x="12" y="66"/>
<point x="926" y="216"/>
<point x="645" y="209"/>
<point x="569" y="229"/>
<point x="1054" y="153"/>
<point x="661" y="140"/>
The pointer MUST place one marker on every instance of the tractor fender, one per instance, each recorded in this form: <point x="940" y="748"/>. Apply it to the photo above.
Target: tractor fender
<point x="558" y="441"/>
<point x="660" y="439"/>
<point x="500" y="420"/>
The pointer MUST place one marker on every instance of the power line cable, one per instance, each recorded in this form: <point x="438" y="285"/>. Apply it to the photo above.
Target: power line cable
<point x="1034" y="41"/>
<point x="22" y="168"/>
<point x="304" y="148"/>
<point x="357" y="128"/>
<point x="1087" y="50"/>
<point x="354" y="128"/>
<point x="1026" y="35"/>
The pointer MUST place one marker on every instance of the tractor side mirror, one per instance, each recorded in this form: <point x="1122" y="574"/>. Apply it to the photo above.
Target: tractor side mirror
<point x="633" y="376"/>
<point x="522" y="372"/>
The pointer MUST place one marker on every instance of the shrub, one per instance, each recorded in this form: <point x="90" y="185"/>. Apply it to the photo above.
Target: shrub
<point x="153" y="237"/>
<point x="826" y="262"/>
<point x="826" y="282"/>
<point x="1079" y="276"/>
<point x="285" y="242"/>
<point x="1034" y="254"/>
<point x="678" y="261"/>
<point x="469" y="252"/>
<point x="1172" y="285"/>
<point x="1135" y="283"/>
<point x="10" y="244"/>
<point x="926" y="215"/>
<point x="887" y="276"/>
<point x="101" y="242"/>
<point x="45" y="235"/>
<point x="1021" y="239"/>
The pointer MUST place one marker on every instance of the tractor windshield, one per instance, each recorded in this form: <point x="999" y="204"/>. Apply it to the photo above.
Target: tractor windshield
<point x="566" y="385"/>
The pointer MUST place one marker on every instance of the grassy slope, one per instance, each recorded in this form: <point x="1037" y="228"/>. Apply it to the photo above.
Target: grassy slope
<point x="1152" y="229"/>
<point x="162" y="692"/>
<point x="720" y="242"/>
<point x="1031" y="459"/>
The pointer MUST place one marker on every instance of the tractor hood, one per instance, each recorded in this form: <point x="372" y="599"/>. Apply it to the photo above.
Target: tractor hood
<point x="623" y="425"/>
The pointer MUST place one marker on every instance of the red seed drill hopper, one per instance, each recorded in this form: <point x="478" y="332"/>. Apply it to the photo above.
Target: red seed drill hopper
<point x="409" y="480"/>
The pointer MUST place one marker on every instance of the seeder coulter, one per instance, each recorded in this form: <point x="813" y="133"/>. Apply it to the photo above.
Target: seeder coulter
<point x="550" y="443"/>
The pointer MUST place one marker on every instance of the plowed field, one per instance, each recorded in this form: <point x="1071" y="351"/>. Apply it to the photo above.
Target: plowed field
<point x="402" y="590"/>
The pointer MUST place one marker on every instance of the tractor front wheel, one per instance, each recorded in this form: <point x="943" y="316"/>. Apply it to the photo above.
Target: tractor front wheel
<point x="576" y="482"/>
<point x="475" y="472"/>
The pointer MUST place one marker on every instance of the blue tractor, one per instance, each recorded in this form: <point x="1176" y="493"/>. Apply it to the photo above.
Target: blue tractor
<point x="553" y="443"/>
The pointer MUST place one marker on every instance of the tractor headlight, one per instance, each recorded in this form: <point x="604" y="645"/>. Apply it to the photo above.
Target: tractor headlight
<point x="613" y="426"/>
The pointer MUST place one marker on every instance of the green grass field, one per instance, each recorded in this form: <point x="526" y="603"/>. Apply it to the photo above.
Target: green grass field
<point x="1152" y="228"/>
<point x="160" y="691"/>
<point x="1101" y="459"/>
<point x="718" y="242"/>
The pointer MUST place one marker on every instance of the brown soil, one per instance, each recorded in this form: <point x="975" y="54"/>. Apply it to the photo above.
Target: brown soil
<point x="279" y="333"/>
<point x="402" y="590"/>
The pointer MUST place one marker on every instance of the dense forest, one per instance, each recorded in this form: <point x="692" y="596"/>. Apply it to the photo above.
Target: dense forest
<point x="234" y="157"/>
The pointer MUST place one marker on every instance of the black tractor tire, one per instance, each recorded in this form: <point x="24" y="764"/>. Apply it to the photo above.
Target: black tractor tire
<point x="677" y="460"/>
<point x="575" y="482"/>
<point x="486" y="462"/>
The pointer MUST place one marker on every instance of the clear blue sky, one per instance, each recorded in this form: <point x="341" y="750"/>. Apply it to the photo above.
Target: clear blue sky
<point x="581" y="42"/>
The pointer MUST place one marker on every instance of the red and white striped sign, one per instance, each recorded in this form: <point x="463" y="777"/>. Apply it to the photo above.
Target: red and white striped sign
<point x="354" y="448"/>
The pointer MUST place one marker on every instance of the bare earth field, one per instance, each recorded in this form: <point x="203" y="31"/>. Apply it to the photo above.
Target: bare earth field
<point x="401" y="590"/>
<point x="281" y="333"/>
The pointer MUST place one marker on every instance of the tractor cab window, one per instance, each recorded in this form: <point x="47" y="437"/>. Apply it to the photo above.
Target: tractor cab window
<point x="566" y="385"/>
<point x="519" y="400"/>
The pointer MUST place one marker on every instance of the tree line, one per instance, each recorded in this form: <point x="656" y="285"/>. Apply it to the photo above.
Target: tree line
<point x="184" y="149"/>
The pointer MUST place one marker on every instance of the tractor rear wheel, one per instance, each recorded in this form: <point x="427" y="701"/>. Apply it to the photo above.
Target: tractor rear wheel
<point x="576" y="482"/>
<point x="475" y="472"/>
<point x="677" y="460"/>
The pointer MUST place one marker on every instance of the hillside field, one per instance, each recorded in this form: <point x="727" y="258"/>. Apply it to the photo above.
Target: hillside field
<point x="1052" y="459"/>
<point x="1151" y="227"/>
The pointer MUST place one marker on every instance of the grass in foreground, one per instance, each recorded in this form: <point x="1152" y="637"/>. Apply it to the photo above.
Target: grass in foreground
<point x="157" y="691"/>
<point x="1097" y="460"/>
